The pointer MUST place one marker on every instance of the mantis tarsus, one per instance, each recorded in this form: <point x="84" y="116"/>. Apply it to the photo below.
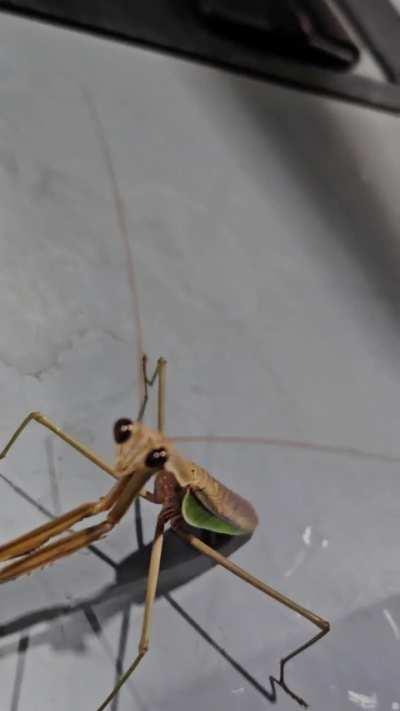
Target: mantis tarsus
<point x="187" y="494"/>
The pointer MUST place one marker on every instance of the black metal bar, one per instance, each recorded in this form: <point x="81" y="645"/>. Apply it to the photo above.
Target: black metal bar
<point x="176" y="26"/>
<point x="379" y="23"/>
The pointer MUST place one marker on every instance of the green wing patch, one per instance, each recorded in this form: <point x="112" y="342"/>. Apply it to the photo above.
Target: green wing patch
<point x="197" y="515"/>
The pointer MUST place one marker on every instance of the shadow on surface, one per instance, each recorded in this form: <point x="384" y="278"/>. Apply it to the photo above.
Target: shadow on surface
<point x="180" y="565"/>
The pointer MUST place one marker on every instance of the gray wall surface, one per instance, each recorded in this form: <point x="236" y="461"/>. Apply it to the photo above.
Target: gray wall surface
<point x="256" y="246"/>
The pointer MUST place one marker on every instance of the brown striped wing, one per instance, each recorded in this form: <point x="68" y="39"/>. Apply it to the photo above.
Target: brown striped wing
<point x="224" y="503"/>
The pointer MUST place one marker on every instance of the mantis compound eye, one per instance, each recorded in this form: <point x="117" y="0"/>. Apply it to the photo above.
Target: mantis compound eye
<point x="156" y="458"/>
<point x="122" y="430"/>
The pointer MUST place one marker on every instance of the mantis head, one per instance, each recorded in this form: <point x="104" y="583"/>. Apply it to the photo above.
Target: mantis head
<point x="139" y="449"/>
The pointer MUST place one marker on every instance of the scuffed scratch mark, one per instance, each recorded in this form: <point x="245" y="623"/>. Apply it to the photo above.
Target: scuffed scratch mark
<point x="363" y="701"/>
<point x="307" y="535"/>
<point x="392" y="623"/>
<point x="325" y="543"/>
<point x="55" y="362"/>
<point x="395" y="706"/>
<point x="71" y="344"/>
<point x="299" y="560"/>
<point x="240" y="690"/>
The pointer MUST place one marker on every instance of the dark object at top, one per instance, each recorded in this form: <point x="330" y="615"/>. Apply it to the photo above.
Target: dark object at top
<point x="307" y="31"/>
<point x="300" y="43"/>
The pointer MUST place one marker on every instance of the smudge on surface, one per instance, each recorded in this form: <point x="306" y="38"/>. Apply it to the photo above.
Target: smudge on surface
<point x="299" y="560"/>
<point x="392" y="623"/>
<point x="307" y="535"/>
<point x="363" y="701"/>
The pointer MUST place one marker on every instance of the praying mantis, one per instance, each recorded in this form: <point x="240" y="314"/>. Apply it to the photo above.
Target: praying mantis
<point x="189" y="497"/>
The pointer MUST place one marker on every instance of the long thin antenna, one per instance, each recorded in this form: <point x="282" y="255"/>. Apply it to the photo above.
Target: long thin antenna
<point x="122" y="226"/>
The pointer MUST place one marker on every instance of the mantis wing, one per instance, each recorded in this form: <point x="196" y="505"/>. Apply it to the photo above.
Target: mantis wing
<point x="195" y="514"/>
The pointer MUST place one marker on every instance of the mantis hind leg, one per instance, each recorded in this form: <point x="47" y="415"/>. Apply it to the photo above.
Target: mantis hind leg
<point x="323" y="625"/>
<point x="154" y="571"/>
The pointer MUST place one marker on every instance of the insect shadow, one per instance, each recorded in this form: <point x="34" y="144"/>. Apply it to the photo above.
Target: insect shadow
<point x="181" y="564"/>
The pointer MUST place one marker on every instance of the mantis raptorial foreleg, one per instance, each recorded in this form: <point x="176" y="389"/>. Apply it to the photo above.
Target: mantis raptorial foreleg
<point x="50" y="553"/>
<point x="37" y="537"/>
<point x="36" y="555"/>
<point x="154" y="571"/>
<point x="323" y="625"/>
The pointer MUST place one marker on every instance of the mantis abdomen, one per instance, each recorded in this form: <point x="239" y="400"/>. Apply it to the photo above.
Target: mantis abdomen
<point x="217" y="498"/>
<point x="225" y="504"/>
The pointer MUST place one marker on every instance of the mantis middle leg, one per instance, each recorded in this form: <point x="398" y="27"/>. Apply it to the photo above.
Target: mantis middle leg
<point x="45" y="422"/>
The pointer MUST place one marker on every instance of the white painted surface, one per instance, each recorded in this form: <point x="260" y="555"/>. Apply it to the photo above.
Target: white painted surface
<point x="264" y="230"/>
